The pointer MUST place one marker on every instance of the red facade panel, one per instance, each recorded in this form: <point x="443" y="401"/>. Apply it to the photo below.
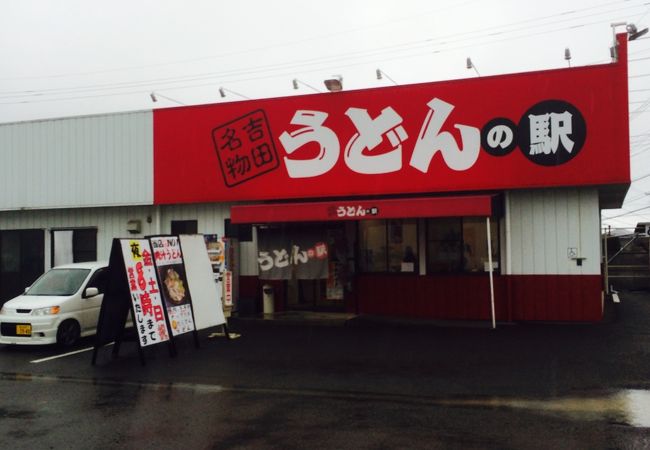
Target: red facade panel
<point x="517" y="297"/>
<point x="564" y="127"/>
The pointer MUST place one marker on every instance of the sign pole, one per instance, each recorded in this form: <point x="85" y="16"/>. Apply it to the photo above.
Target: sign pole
<point x="489" y="244"/>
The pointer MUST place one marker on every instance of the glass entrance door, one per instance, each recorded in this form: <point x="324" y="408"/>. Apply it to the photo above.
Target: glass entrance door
<point x="328" y="294"/>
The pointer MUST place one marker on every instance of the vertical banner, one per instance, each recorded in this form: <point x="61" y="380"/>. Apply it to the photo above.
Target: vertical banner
<point x="227" y="288"/>
<point x="231" y="272"/>
<point x="145" y="292"/>
<point x="175" y="291"/>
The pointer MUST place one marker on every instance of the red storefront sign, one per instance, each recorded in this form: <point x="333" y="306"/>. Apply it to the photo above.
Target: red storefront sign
<point x="565" y="127"/>
<point x="476" y="205"/>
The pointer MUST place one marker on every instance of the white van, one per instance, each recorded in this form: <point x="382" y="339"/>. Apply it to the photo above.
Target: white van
<point x="60" y="307"/>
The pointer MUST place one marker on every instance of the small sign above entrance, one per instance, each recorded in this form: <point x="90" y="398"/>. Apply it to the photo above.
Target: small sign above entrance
<point x="456" y="206"/>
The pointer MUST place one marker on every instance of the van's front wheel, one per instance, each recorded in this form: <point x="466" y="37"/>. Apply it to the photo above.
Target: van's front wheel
<point x="68" y="333"/>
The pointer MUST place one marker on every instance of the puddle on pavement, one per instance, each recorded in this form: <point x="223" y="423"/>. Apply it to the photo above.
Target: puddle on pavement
<point x="628" y="407"/>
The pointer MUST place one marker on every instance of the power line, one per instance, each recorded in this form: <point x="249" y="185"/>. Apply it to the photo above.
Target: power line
<point x="257" y="69"/>
<point x="627" y="213"/>
<point x="265" y="48"/>
<point x="167" y="85"/>
<point x="294" y="42"/>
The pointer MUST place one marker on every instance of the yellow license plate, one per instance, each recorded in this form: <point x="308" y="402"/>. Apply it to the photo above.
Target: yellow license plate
<point x="24" y="330"/>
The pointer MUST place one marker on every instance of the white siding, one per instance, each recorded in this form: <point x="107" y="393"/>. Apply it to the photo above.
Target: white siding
<point x="211" y="217"/>
<point x="77" y="162"/>
<point x="544" y="224"/>
<point x="112" y="222"/>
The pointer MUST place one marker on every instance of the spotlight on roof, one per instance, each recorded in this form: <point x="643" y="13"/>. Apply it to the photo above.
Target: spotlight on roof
<point x="296" y="85"/>
<point x="470" y="65"/>
<point x="153" y="97"/>
<point x="223" y="90"/>
<point x="633" y="33"/>
<point x="381" y="74"/>
<point x="334" y="84"/>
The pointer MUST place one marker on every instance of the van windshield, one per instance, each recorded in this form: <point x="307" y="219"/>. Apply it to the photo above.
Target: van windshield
<point x="59" y="282"/>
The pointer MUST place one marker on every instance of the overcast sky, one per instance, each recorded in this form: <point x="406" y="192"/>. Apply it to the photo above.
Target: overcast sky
<point x="76" y="57"/>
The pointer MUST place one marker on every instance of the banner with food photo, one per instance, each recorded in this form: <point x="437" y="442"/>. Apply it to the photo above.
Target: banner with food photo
<point x="174" y="287"/>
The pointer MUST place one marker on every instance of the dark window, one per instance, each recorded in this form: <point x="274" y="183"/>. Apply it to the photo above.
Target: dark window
<point x="185" y="227"/>
<point x="460" y="245"/>
<point x="388" y="245"/>
<point x="84" y="245"/>
<point x="444" y="244"/>
<point x="22" y="260"/>
<point x="243" y="232"/>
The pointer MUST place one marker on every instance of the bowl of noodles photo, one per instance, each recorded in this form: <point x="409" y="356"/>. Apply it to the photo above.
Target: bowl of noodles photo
<point x="175" y="287"/>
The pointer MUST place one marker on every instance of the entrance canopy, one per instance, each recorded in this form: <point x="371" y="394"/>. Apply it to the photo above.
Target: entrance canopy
<point x="458" y="206"/>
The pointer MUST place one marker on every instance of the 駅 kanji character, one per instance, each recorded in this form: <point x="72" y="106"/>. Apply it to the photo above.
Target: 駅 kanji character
<point x="545" y="136"/>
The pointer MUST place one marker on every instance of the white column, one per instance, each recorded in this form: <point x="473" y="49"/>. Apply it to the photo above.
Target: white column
<point x="489" y="244"/>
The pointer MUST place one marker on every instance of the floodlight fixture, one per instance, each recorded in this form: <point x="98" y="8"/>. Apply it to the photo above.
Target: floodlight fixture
<point x="470" y="65"/>
<point x="296" y="83"/>
<point x="334" y="84"/>
<point x="567" y="55"/>
<point x="380" y="74"/>
<point x="633" y="33"/>
<point x="154" y="98"/>
<point x="223" y="90"/>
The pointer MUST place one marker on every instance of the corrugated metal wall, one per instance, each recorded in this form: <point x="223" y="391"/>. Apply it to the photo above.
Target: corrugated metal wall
<point x="211" y="217"/>
<point x="77" y="162"/>
<point x="112" y="222"/>
<point x="545" y="224"/>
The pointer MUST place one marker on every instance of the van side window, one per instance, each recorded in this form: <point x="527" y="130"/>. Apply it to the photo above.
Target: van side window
<point x="98" y="280"/>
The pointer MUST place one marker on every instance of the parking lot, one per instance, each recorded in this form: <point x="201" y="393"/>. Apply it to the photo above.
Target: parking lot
<point x="370" y="385"/>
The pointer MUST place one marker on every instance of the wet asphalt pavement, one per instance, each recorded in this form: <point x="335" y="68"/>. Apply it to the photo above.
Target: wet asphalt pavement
<point x="367" y="385"/>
